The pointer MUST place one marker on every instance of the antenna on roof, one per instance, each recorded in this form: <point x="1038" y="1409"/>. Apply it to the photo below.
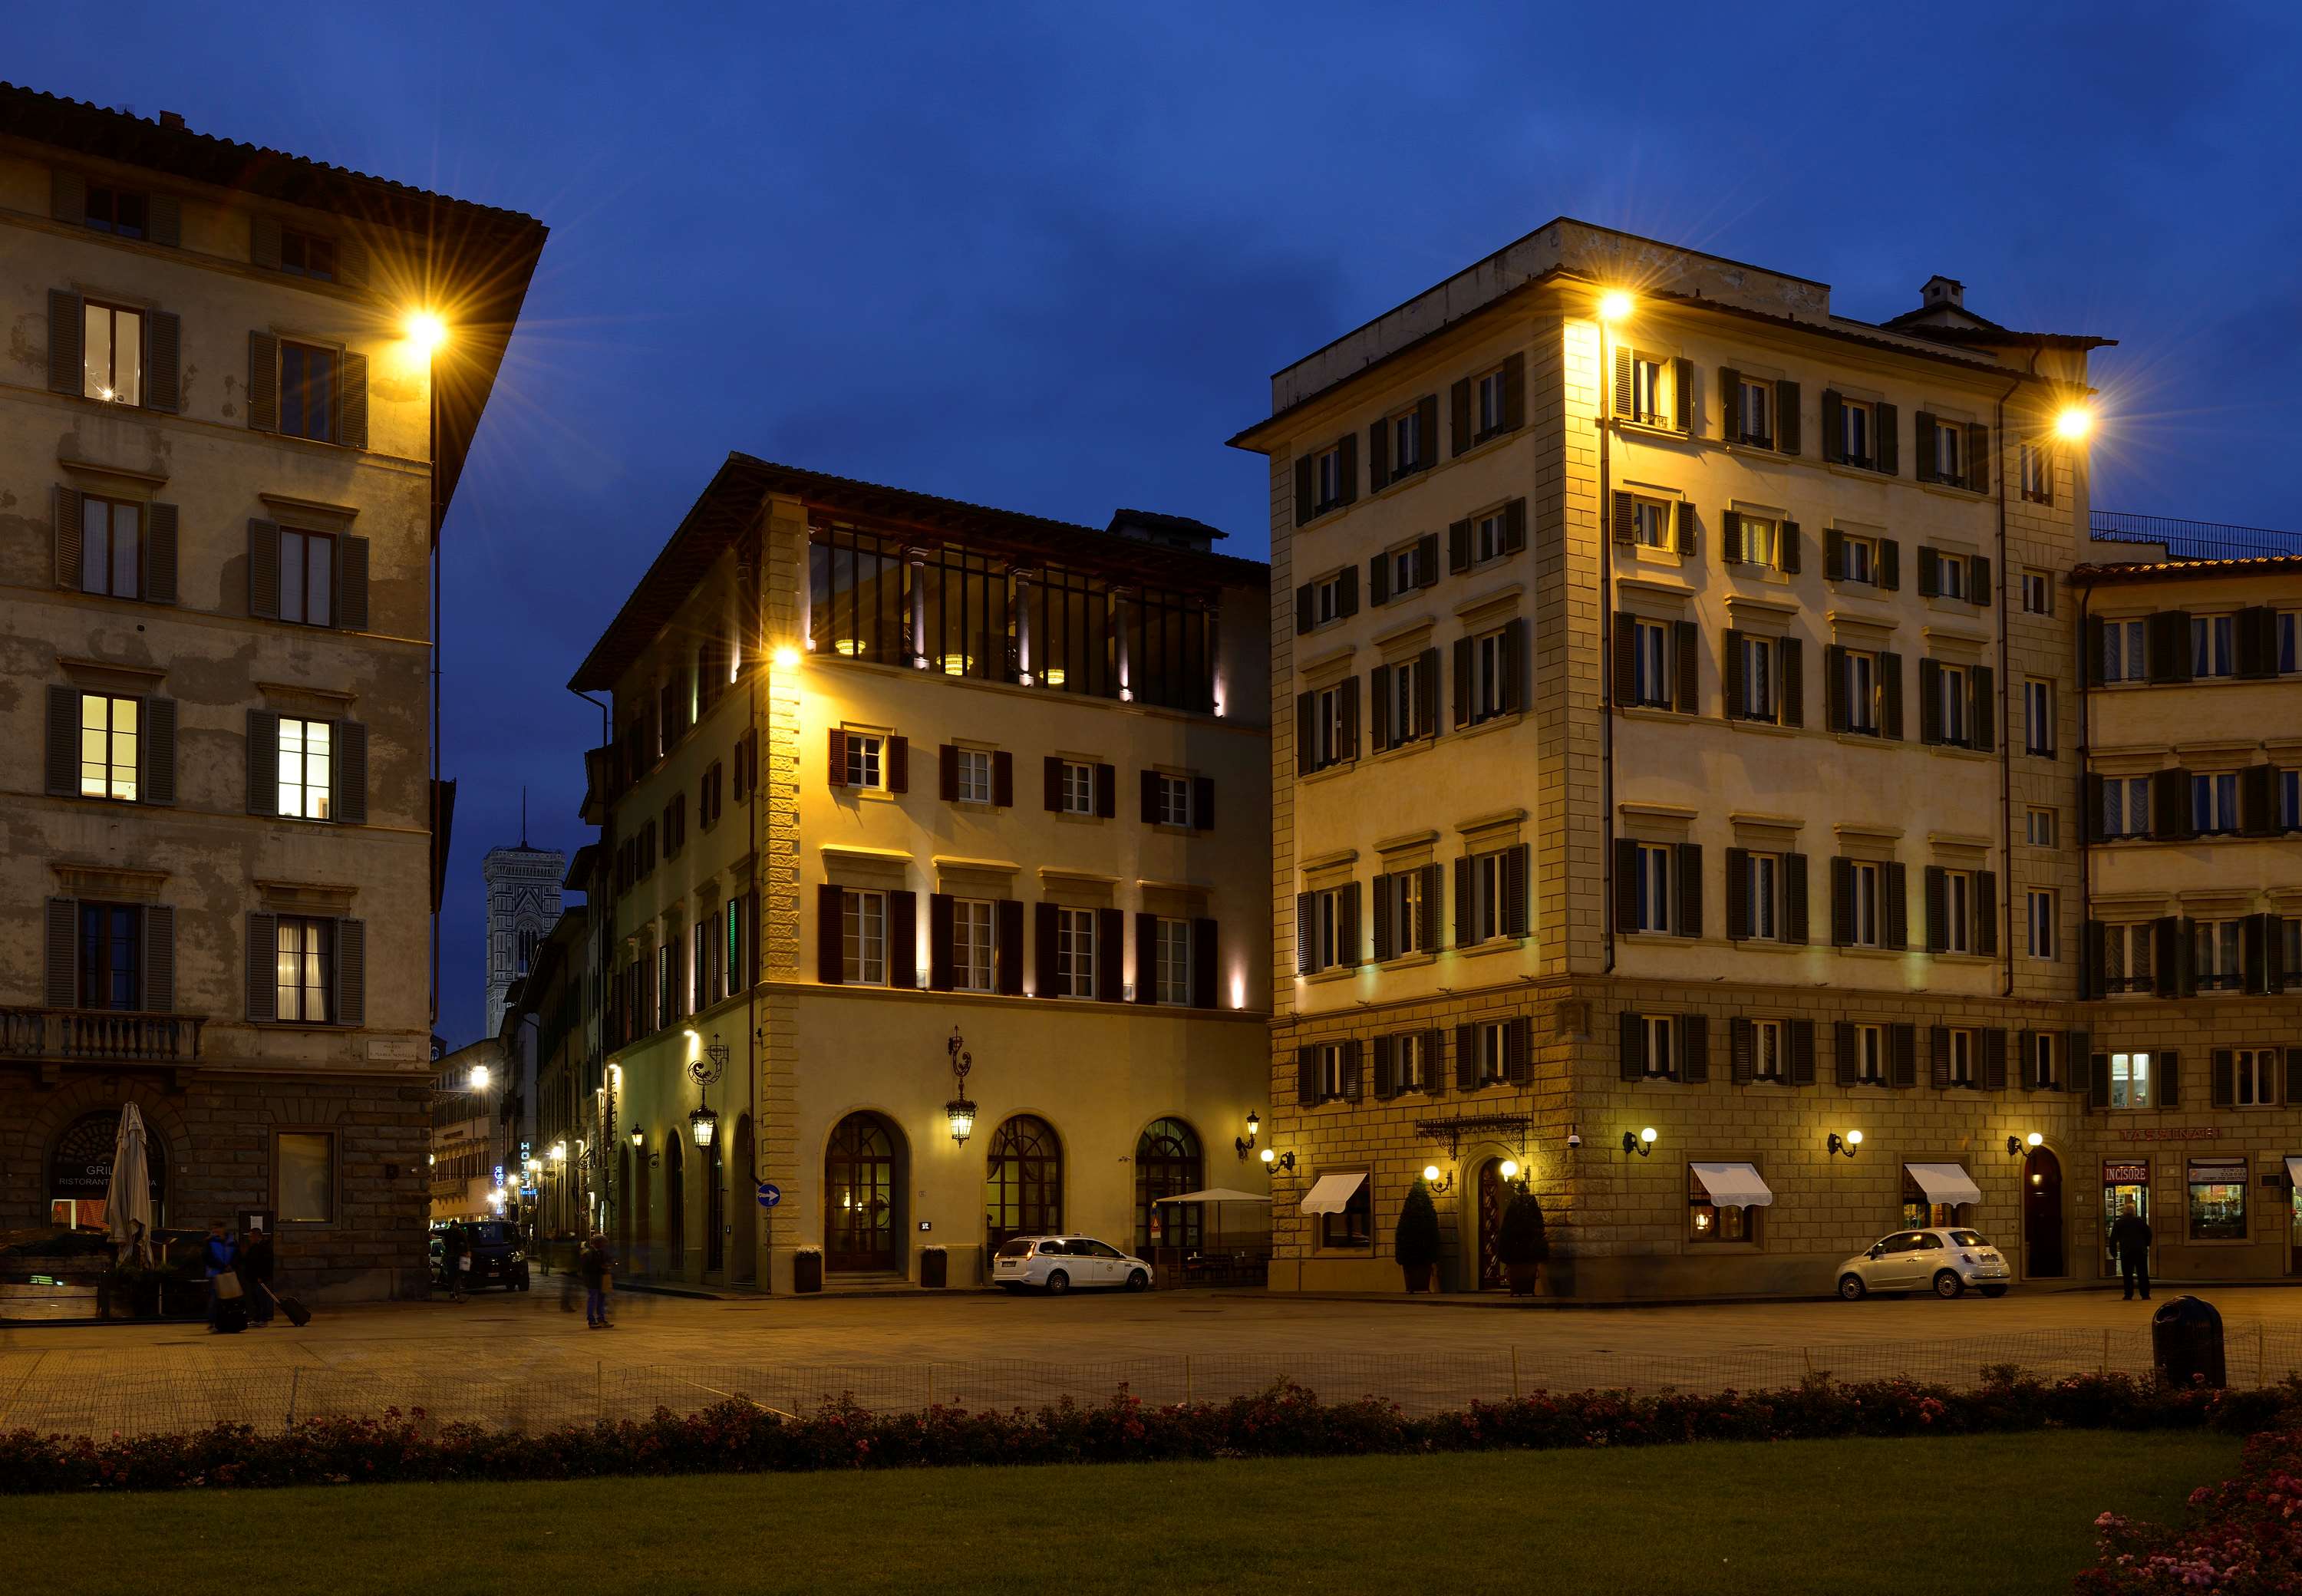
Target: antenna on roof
<point x="523" y="814"/>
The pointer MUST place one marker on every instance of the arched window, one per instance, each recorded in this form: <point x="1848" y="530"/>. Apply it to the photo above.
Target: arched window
<point x="1023" y="1187"/>
<point x="861" y="1186"/>
<point x="1167" y="1163"/>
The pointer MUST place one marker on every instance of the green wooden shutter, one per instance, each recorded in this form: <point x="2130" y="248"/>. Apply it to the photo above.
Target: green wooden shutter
<point x="67" y="333"/>
<point x="163" y="356"/>
<point x="350" y="609"/>
<point x="61" y="969"/>
<point x="350" y="774"/>
<point x="262" y="970"/>
<point x="351" y="972"/>
<point x="68" y="511"/>
<point x="263" y="382"/>
<point x="156" y="752"/>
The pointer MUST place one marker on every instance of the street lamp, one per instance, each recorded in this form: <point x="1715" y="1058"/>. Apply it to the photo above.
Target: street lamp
<point x="480" y="1077"/>
<point x="1278" y="1161"/>
<point x="705" y="1124"/>
<point x="1246" y="1144"/>
<point x="1613" y="305"/>
<point x="1642" y="1143"/>
<point x="959" y="1111"/>
<point x="1438" y="1187"/>
<point x="2073" y="423"/>
<point x="425" y="331"/>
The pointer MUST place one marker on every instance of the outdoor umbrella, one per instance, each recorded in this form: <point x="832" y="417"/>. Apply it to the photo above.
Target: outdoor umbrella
<point x="128" y="1203"/>
<point x="1217" y="1195"/>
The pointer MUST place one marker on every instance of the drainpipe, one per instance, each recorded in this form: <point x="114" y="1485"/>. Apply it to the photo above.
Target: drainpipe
<point x="2005" y="687"/>
<point x="1607" y="684"/>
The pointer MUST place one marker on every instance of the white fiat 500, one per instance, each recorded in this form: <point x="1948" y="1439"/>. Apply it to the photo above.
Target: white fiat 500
<point x="1058" y="1263"/>
<point x="1945" y="1262"/>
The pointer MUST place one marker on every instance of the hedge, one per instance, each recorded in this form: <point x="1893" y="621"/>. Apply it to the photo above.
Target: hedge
<point x="1286" y="1421"/>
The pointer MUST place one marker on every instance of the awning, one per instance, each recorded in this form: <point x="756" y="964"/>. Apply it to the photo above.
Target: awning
<point x="1331" y="1192"/>
<point x="1215" y="1193"/>
<point x="1945" y="1182"/>
<point x="2294" y="1171"/>
<point x="1733" y="1186"/>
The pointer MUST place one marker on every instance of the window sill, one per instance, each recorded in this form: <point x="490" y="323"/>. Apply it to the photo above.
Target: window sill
<point x="1768" y="944"/>
<point x="1414" y="961"/>
<point x="304" y="1025"/>
<point x="1327" y="772"/>
<point x="1492" y="723"/>
<point x="1412" y="745"/>
<point x="1765" y="729"/>
<point x="1853" y="952"/>
<point x="1492" y="944"/>
<point x="1956" y="490"/>
<point x="1868" y="739"/>
<point x="1861" y="471"/>
<point x="1954" y="750"/>
<point x="1748" y="570"/>
<point x="1946" y="956"/>
<point x="1647" y="554"/>
<point x="1653" y="430"/>
<point x="1653" y="712"/>
<point x="1400" y="479"/>
<point x="1757" y="451"/>
<point x="1332" y="972"/>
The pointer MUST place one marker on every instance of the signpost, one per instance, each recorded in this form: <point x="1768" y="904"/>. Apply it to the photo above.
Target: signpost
<point x="770" y="1194"/>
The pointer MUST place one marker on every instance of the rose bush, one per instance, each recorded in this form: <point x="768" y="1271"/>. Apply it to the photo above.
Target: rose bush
<point x="2241" y="1538"/>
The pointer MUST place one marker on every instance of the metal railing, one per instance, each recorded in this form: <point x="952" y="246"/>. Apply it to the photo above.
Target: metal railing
<point x="2195" y="539"/>
<point x="100" y="1034"/>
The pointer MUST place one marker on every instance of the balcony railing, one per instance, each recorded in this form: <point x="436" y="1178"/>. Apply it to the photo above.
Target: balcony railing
<point x="2195" y="539"/>
<point x="101" y="1035"/>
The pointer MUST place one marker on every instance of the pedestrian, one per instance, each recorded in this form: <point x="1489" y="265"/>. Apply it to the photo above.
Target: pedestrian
<point x="220" y="1257"/>
<point x="256" y="1271"/>
<point x="2129" y="1239"/>
<point x="594" y="1265"/>
<point x="451" y="1260"/>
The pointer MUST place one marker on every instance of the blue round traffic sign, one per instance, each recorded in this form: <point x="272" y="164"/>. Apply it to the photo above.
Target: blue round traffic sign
<point x="770" y="1194"/>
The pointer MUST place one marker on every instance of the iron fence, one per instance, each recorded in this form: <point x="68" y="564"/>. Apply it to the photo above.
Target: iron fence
<point x="2195" y="539"/>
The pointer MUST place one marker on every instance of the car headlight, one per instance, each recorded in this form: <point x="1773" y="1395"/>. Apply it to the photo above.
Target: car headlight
<point x="516" y="1255"/>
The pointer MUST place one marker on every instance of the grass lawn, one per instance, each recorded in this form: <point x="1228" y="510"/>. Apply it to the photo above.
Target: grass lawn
<point x="1797" y="1517"/>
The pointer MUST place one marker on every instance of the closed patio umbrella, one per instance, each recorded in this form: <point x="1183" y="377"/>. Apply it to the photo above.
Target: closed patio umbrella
<point x="127" y="1202"/>
<point x="1216" y="1196"/>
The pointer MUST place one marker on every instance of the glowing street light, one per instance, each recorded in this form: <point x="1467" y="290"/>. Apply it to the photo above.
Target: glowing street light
<point x="2073" y="423"/>
<point x="480" y="1077"/>
<point x="425" y="331"/>
<point x="1613" y="305"/>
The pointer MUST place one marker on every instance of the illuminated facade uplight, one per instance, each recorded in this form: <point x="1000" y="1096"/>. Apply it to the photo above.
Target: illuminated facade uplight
<point x="2073" y="423"/>
<point x="786" y="656"/>
<point x="1613" y="305"/>
<point x="427" y="330"/>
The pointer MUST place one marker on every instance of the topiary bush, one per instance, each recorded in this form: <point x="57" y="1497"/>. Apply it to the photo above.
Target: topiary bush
<point x="1416" y="1243"/>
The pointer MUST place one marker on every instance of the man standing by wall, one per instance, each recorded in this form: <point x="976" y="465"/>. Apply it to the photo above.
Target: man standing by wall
<point x="2130" y="1237"/>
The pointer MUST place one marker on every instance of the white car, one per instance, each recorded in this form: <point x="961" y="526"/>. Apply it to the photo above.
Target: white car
<point x="1945" y="1262"/>
<point x="1056" y="1264"/>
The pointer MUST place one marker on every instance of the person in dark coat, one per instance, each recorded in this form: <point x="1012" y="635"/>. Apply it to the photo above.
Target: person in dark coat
<point x="2129" y="1238"/>
<point x="592" y="1263"/>
<point x="451" y="1260"/>
<point x="255" y="1269"/>
<point x="218" y="1255"/>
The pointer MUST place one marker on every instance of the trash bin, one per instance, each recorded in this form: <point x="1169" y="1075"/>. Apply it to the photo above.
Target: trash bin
<point x="2186" y="1343"/>
<point x="935" y="1266"/>
<point x="807" y="1271"/>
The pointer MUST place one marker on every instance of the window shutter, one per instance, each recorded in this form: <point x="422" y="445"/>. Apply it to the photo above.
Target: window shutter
<point x="1993" y="1059"/>
<point x="1378" y="579"/>
<point x="1045" y="935"/>
<point x="263" y="966"/>
<point x="1922" y="438"/>
<point x="159" y="936"/>
<point x="1007" y="948"/>
<point x="1982" y="717"/>
<point x="1790" y="656"/>
<point x="1106" y="790"/>
<point x="1350" y="691"/>
<point x="1462" y="902"/>
<point x="60" y="971"/>
<point x="2257" y="800"/>
<point x="1730" y="405"/>
<point x="1347" y="597"/>
<point x="947" y="773"/>
<point x="1202" y="963"/>
<point x="1379" y="697"/>
<point x="1903" y="1043"/>
<point x="1347" y="926"/>
<point x="1730" y="667"/>
<point x="1890" y="696"/>
<point x="2093" y="979"/>
<point x="1514" y="391"/>
<point x="1978" y="581"/>
<point x="1681" y="394"/>
<point x="1304" y="506"/>
<point x="164" y="220"/>
<point x="64" y="741"/>
<point x="1634" y="1045"/>
<point x="2170" y="805"/>
<point x="1348" y="1056"/>
<point x="2255" y="933"/>
<point x="163" y="360"/>
<point x="1110" y="961"/>
<point x="67" y="510"/>
<point x="1929" y="701"/>
<point x="159" y="552"/>
<point x="1051" y="771"/>
<point x="2028" y="1042"/>
<point x="2095" y="1076"/>
<point x="1386" y="1049"/>
<point x="1937" y="882"/>
<point x="68" y="197"/>
<point x="1513" y="696"/>
<point x="1378" y="457"/>
<point x="1149" y="796"/>
<point x="1939" y="1056"/>
<point x="1426" y="433"/>
<point x="940" y="913"/>
<point x="67" y="328"/>
<point x="1978" y="456"/>
<point x="1694" y="1048"/>
<point x="1515" y="863"/>
<point x="1146" y="958"/>
<point x="1889" y="441"/>
<point x="1890" y="564"/>
<point x="1382" y="935"/>
<point x="830" y="936"/>
<point x="1688" y="696"/>
<point x="2293" y="1073"/>
<point x="1986" y="912"/>
<point x="1730" y="537"/>
<point x="1834" y="687"/>
<point x="1841" y="901"/>
<point x="1426" y="694"/>
<point x="1894" y="907"/>
<point x="1515" y="527"/>
<point x="1626" y="529"/>
<point x="1626" y="885"/>
<point x="1682" y="525"/>
<point x="1627" y="657"/>
<point x="351" y="972"/>
<point x="263" y="382"/>
<point x="1786" y="418"/>
<point x="2257" y="641"/>
<point x="1789" y="534"/>
<point x="1426" y="560"/>
<point x="1458" y="414"/>
<point x="263" y="762"/>
<point x="1690" y="889"/>
<point x="264" y="570"/>
<point x="2170" y="1079"/>
<point x="1306" y="1075"/>
<point x="1834" y="554"/>
<point x="1519" y="1051"/>
<point x="351" y="403"/>
<point x="263" y="241"/>
<point x="351" y="583"/>
<point x="2222" y="1091"/>
<point x="156" y="752"/>
<point x="1930" y="571"/>
<point x="1741" y="1052"/>
<point x="1003" y="780"/>
<point x="1794" y="907"/>
<point x="1303" y="608"/>
<point x="1849" y="1068"/>
<point x="1306" y="944"/>
<point x="1458" y="546"/>
<point x="2167" y="645"/>
<point x="1833" y="427"/>
<point x="899" y="764"/>
<point x="1738" y="894"/>
<point x="1462" y="681"/>
<point x="1624" y="397"/>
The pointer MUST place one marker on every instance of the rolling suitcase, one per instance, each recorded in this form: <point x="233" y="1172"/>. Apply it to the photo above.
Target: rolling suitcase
<point x="231" y="1315"/>
<point x="298" y="1314"/>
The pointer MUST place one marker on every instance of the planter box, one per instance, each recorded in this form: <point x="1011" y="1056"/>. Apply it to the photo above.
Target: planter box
<point x="807" y="1271"/>
<point x="935" y="1266"/>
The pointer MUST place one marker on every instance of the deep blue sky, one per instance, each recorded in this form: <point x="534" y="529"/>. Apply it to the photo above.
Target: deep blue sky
<point x="1047" y="256"/>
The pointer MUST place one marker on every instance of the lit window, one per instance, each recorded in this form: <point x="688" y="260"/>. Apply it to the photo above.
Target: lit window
<point x="2037" y="474"/>
<point x="972" y="920"/>
<point x="974" y="785"/>
<point x="1403" y="906"/>
<point x="863" y="938"/>
<point x="1650" y="523"/>
<point x="112" y="354"/>
<point x="108" y="732"/>
<point x="1172" y="959"/>
<point x="1706" y="1221"/>
<point x="866" y="759"/>
<point x="305" y="756"/>
<point x="306" y="984"/>
<point x="1075" y="953"/>
<point x="1949" y="452"/>
<point x="1762" y="541"/>
<point x="2217" y="1191"/>
<point x="2042" y="1056"/>
<point x="1647" y="391"/>
<point x="2130" y="1080"/>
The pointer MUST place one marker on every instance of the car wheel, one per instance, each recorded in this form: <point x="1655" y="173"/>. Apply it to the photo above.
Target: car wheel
<point x="1851" y="1286"/>
<point x="1947" y="1284"/>
<point x="1137" y="1280"/>
<point x="1991" y="1291"/>
<point x="523" y="1285"/>
<point x="1058" y="1283"/>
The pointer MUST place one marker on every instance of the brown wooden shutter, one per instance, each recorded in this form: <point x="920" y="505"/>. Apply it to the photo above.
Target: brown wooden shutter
<point x="1202" y="963"/>
<point x="159" y="936"/>
<point x="1106" y="790"/>
<point x="1458" y="546"/>
<point x="1625" y="528"/>
<point x="1730" y="537"/>
<point x="1307" y="732"/>
<point x="1378" y="715"/>
<point x="263" y="966"/>
<point x="2171" y="814"/>
<point x="67" y="196"/>
<point x="1306" y="946"/>
<point x="1347" y="926"/>
<point x="67" y="508"/>
<point x="1003" y="780"/>
<point x="1458" y="414"/>
<point x="1694" y="1048"/>
<point x="1513" y="662"/>
<point x="1519" y="1051"/>
<point x="1426" y="434"/>
<point x="1786" y="418"/>
<point x="1306" y="1075"/>
<point x="1741" y="1052"/>
<point x="1789" y="533"/>
<point x="61" y="969"/>
<point x="835" y="758"/>
<point x="1625" y="398"/>
<point x="351" y="583"/>
<point x="1834" y="687"/>
<point x="1681" y="394"/>
<point x="351" y="972"/>
<point x="1304" y="507"/>
<point x="1382" y="928"/>
<point x="351" y="403"/>
<point x="1378" y="579"/>
<point x="1937" y="884"/>
<point x="1515" y="862"/>
<point x="1463" y="938"/>
<point x="1849" y="1065"/>
<point x="1203" y="804"/>
<point x="1841" y="901"/>
<point x="156" y="752"/>
<point x="947" y="773"/>
<point x="164" y="220"/>
<point x="1894" y="906"/>
<point x="1051" y="771"/>
<point x="350" y="798"/>
<point x="2169" y="1077"/>
<point x="903" y="938"/>
<point x="1689" y="860"/>
<point x="264" y="570"/>
<point x="1148" y="784"/>
<point x="1930" y="702"/>
<point x="899" y="764"/>
<point x="2221" y="1092"/>
<point x="1923" y="443"/>
<point x="1515" y="527"/>
<point x="1986" y="912"/>
<point x="1833" y="427"/>
<point x="1627" y="657"/>
<point x="67" y="336"/>
<point x="263" y="762"/>
<point x="1386" y="1071"/>
<point x="1730" y="405"/>
<point x="1514" y="391"/>
<point x="263" y="382"/>
<point x="1978" y="456"/>
<point x="1939" y="1056"/>
<point x="1890" y="696"/>
<point x="1682" y="523"/>
<point x="1378" y="456"/>
<point x="939" y="940"/>
<point x="1046" y="930"/>
<point x="263" y="241"/>
<point x="1790" y="656"/>
<point x="1887" y="440"/>
<point x="1627" y="885"/>
<point x="1633" y="1050"/>
<point x="159" y="553"/>
<point x="1890" y="566"/>
<point x="1348" y="446"/>
<point x="1426" y="695"/>
<point x="1802" y="1040"/>
<point x="1146" y="958"/>
<point x="1007" y="948"/>
<point x="1902" y="1052"/>
<point x="1689" y="691"/>
<point x="1834" y="554"/>
<point x="1350" y="693"/>
<point x="163" y="360"/>
<point x="64" y="741"/>
<point x="830" y="936"/>
<point x="1794" y="898"/>
<point x="1738" y="894"/>
<point x="1110" y="951"/>
<point x="1462" y="674"/>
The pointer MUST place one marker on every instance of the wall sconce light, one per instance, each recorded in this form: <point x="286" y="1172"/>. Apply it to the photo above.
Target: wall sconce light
<point x="1846" y="1144"/>
<point x="1439" y="1187"/>
<point x="1613" y="305"/>
<point x="705" y="1124"/>
<point x="961" y="1110"/>
<point x="639" y="1138"/>
<point x="1246" y="1144"/>
<point x="1278" y="1161"/>
<point x="1643" y="1143"/>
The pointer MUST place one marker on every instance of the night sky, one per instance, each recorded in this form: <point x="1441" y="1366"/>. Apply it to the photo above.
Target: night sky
<point x="1046" y="257"/>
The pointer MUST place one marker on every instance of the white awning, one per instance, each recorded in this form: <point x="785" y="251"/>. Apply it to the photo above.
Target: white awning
<point x="1331" y="1192"/>
<point x="2294" y="1171"/>
<point x="1215" y="1193"/>
<point x="1734" y="1185"/>
<point x="1945" y="1182"/>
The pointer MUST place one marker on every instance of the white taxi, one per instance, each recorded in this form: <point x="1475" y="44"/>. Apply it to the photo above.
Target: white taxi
<point x="1058" y="1263"/>
<point x="1945" y="1262"/>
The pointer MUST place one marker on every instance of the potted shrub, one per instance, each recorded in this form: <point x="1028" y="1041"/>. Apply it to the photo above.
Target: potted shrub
<point x="1416" y="1243"/>
<point x="1523" y="1245"/>
<point x="807" y="1269"/>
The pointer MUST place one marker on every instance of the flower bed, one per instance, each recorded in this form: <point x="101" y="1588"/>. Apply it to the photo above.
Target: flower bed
<point x="2243" y="1536"/>
<point x="1286" y="1421"/>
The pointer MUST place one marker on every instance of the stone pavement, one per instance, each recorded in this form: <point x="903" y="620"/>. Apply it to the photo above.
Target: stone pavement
<point x="521" y="1361"/>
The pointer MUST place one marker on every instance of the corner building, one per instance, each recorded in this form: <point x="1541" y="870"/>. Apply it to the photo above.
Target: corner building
<point x="888" y="770"/>
<point x="1684" y="739"/>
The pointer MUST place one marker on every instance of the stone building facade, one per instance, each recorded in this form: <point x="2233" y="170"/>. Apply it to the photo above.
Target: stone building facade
<point x="893" y="776"/>
<point x="1684" y="741"/>
<point x="225" y="456"/>
<point x="522" y="888"/>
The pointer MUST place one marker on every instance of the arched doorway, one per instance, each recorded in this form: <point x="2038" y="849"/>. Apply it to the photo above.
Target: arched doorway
<point x="2041" y="1217"/>
<point x="1167" y="1163"/>
<point x="674" y="1207"/>
<point x="860" y="1185"/>
<point x="715" y="1208"/>
<point x="744" y="1242"/>
<point x="1023" y="1185"/>
<point x="642" y="1206"/>
<point x="1492" y="1195"/>
<point x="80" y="1171"/>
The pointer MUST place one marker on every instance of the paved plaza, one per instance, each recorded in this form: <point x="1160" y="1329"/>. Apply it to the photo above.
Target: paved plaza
<point x="521" y="1361"/>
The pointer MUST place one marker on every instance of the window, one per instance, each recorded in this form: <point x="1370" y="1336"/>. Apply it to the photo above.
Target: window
<point x="1647" y="391"/>
<point x="2038" y="718"/>
<point x="2125" y="806"/>
<point x="1171" y="950"/>
<point x="2289" y="937"/>
<point x="1857" y="426"/>
<point x="117" y="211"/>
<point x="307" y="255"/>
<point x="1953" y="702"/>
<point x="1330" y="727"/>
<point x="972" y="934"/>
<point x="858" y="608"/>
<point x="2216" y="963"/>
<point x="1865" y="883"/>
<point x="1403" y="907"/>
<point x="1407" y="443"/>
<point x="1870" y="1054"/>
<point x="1353" y="1225"/>
<point x="2125" y="650"/>
<point x="2037" y="593"/>
<point x="110" y="547"/>
<point x="1491" y="1052"/>
<point x="1770" y="1052"/>
<point x="1490" y="410"/>
<point x="2044" y="922"/>
<point x="307" y="974"/>
<point x="108" y="746"/>
<point x="1490" y="536"/>
<point x="2041" y="1043"/>
<point x="1650" y="523"/>
<point x="1754" y="413"/>
<point x="1950" y="577"/>
<point x="1327" y="468"/>
<point x="1762" y="540"/>
<point x="1757" y="688"/>
<point x="1660" y="1038"/>
<point x="305" y="759"/>
<point x="1076" y="787"/>
<point x="2290" y="641"/>
<point x="1762" y="891"/>
<point x="1494" y="673"/>
<point x="304" y="1177"/>
<point x="308" y="568"/>
<point x="308" y="391"/>
<point x="1706" y="1221"/>
<point x="1409" y="568"/>
<point x="1332" y="1061"/>
<point x="2218" y="1200"/>
<point x="2253" y="1077"/>
<point x="1414" y="1064"/>
<point x="1949" y="451"/>
<point x="1859" y="690"/>
<point x="1075" y="953"/>
<point x="1651" y="654"/>
<point x="2040" y="827"/>
<point x="863" y="938"/>
<point x="2127" y="962"/>
<point x="2214" y="803"/>
<point x="1411" y="694"/>
<point x="1960" y="1063"/>
<point x="1328" y="929"/>
<point x="1172" y="800"/>
<point x="974" y="785"/>
<point x="1958" y="932"/>
<point x="112" y="354"/>
<point x="1858" y="558"/>
<point x="867" y="761"/>
<point x="111" y="957"/>
<point x="1493" y="891"/>
<point x="667" y="981"/>
<point x="2130" y="1080"/>
<point x="1329" y="600"/>
<point x="2213" y="645"/>
<point x="1655" y="887"/>
<point x="2037" y="474"/>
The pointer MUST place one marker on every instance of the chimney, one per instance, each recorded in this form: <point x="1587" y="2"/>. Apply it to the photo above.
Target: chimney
<point x="172" y="119"/>
<point x="1943" y="291"/>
